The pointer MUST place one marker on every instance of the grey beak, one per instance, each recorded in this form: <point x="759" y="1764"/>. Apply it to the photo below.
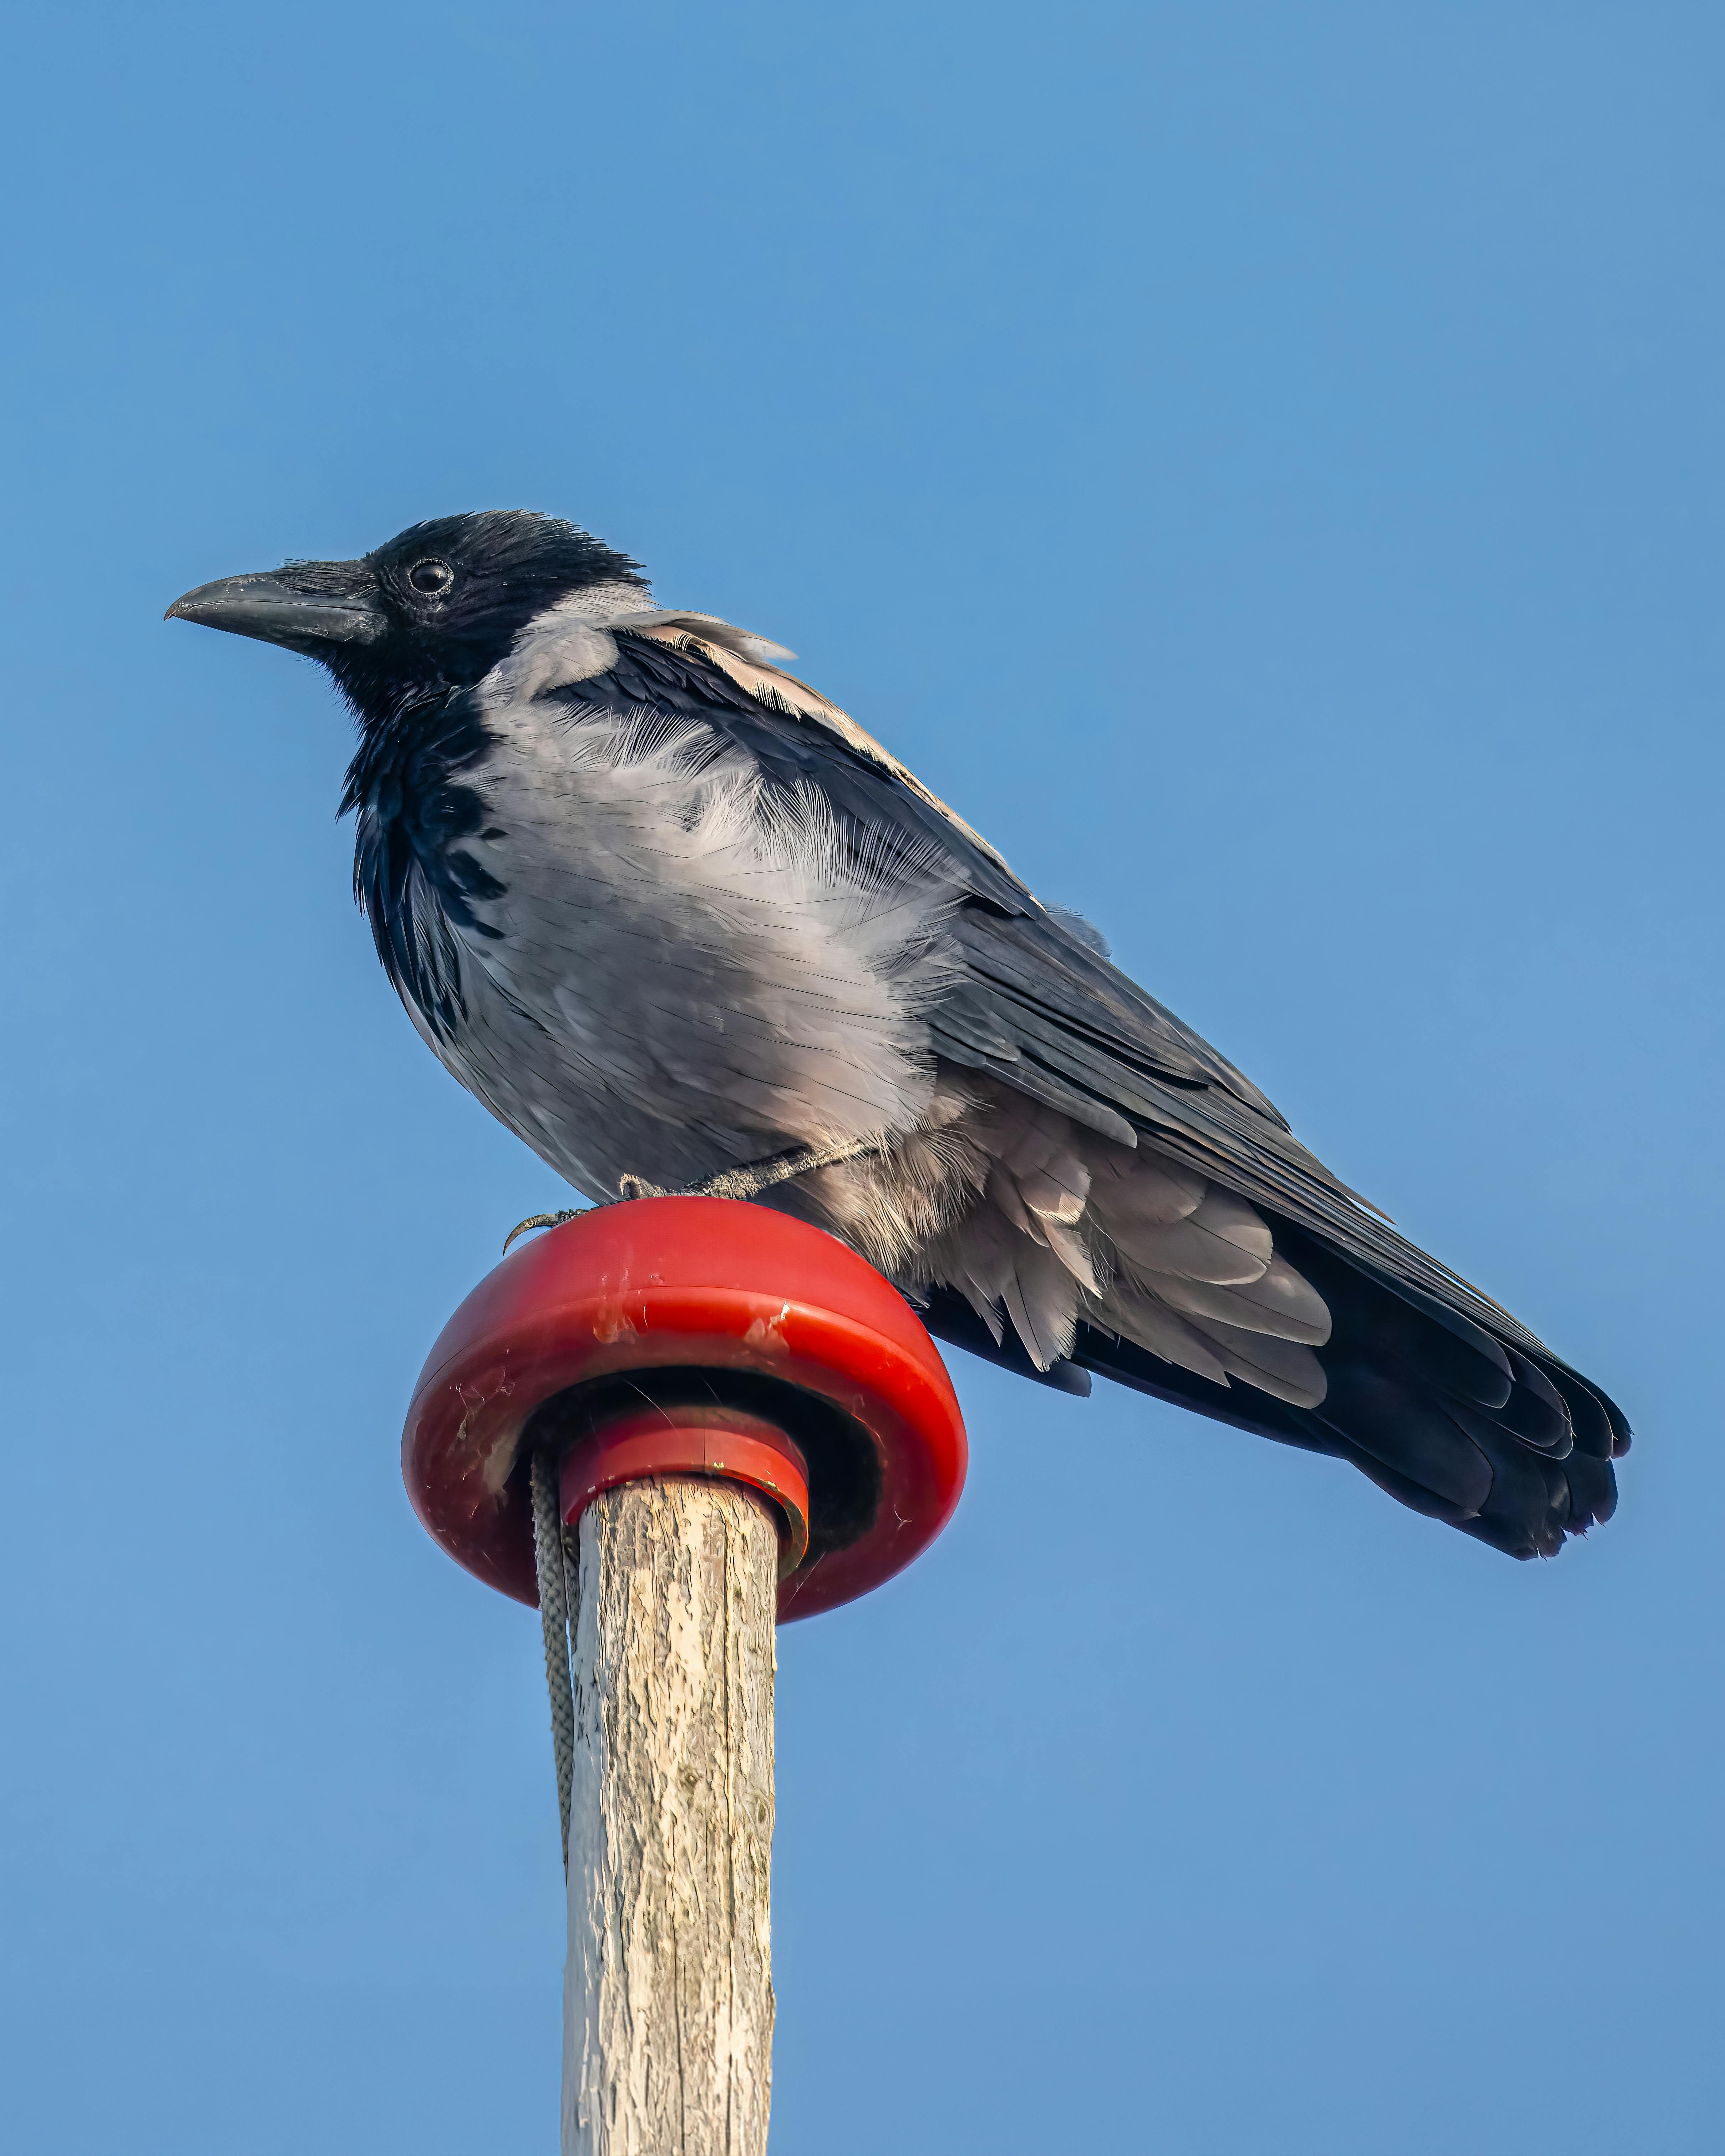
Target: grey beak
<point x="268" y="607"/>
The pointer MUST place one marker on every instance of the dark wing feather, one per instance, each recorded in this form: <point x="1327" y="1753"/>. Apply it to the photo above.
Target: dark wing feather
<point x="1433" y="1388"/>
<point x="1443" y="1399"/>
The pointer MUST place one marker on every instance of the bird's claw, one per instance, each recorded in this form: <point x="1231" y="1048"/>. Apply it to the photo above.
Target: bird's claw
<point x="538" y="1220"/>
<point x="628" y="1187"/>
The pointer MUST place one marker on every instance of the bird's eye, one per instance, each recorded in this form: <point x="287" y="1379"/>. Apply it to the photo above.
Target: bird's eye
<point x="433" y="578"/>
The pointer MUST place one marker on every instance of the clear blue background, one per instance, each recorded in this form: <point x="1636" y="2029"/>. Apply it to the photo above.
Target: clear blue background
<point x="1263" y="463"/>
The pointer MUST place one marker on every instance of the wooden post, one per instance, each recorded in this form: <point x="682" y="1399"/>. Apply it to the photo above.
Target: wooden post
<point x="668" y="1994"/>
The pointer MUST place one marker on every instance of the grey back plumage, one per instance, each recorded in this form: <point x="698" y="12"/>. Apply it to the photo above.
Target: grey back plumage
<point x="728" y="922"/>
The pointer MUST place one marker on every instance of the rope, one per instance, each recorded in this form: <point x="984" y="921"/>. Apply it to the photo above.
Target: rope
<point x="554" y="1615"/>
<point x="749" y="1181"/>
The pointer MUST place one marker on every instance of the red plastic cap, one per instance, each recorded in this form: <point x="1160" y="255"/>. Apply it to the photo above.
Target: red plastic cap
<point x="721" y="1443"/>
<point x="671" y="1298"/>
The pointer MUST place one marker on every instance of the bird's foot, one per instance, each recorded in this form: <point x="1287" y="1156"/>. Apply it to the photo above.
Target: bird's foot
<point x="748" y="1181"/>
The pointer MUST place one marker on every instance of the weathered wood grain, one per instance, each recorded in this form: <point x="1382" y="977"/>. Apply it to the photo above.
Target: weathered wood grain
<point x="668" y="1996"/>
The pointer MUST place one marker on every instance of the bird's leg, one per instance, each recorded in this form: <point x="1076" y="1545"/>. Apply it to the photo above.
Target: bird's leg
<point x="749" y="1181"/>
<point x="756" y="1176"/>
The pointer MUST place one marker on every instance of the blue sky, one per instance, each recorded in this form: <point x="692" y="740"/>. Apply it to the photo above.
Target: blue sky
<point x="1264" y="465"/>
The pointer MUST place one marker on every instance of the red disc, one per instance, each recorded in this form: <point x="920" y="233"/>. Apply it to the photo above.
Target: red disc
<point x="721" y="1442"/>
<point x="667" y="1300"/>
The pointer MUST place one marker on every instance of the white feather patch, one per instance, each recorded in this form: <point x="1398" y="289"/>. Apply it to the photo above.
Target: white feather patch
<point x="569" y="642"/>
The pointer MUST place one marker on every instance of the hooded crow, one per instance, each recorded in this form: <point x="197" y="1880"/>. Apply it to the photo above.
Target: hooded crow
<point x="669" y="913"/>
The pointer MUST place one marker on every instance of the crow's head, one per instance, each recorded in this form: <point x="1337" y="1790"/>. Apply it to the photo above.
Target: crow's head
<point x="436" y="607"/>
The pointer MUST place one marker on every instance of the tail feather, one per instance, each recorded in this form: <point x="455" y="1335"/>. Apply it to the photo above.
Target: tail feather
<point x="1368" y="1405"/>
<point x="1077" y="1255"/>
<point x="1588" y="1419"/>
<point x="1535" y="1410"/>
